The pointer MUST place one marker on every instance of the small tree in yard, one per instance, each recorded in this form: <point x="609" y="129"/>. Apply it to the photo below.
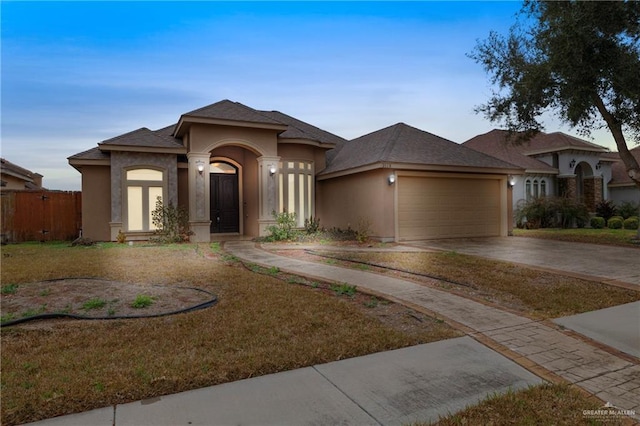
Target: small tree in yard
<point x="172" y="223"/>
<point x="579" y="59"/>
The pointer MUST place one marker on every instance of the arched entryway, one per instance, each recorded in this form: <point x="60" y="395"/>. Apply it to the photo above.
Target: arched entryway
<point x="224" y="199"/>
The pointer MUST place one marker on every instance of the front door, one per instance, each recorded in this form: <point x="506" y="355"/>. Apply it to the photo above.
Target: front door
<point x="225" y="207"/>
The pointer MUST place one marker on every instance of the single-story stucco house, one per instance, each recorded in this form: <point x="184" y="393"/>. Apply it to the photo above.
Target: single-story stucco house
<point x="13" y="176"/>
<point x="557" y="164"/>
<point x="233" y="166"/>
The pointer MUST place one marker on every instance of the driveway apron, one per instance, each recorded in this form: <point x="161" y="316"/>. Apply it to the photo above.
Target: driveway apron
<point x="607" y="263"/>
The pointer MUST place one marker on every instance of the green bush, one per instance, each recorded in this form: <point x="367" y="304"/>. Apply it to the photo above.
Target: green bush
<point x="597" y="222"/>
<point x="551" y="212"/>
<point x="606" y="209"/>
<point x="627" y="209"/>
<point x="284" y="229"/>
<point x="631" y="222"/>
<point x="312" y="225"/>
<point x="172" y="223"/>
<point x="614" y="223"/>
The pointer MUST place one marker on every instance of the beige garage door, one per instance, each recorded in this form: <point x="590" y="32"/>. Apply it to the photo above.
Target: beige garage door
<point x="448" y="208"/>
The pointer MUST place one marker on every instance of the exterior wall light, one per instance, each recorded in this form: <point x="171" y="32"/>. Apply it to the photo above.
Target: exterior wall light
<point x="572" y="163"/>
<point x="392" y="179"/>
<point x="511" y="181"/>
<point x="599" y="165"/>
<point x="200" y="166"/>
<point x="272" y="170"/>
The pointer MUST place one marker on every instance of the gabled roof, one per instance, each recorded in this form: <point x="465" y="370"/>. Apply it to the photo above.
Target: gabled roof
<point x="297" y="129"/>
<point x="497" y="144"/>
<point x="406" y="145"/>
<point x="90" y="154"/>
<point x="143" y="137"/>
<point x="227" y="111"/>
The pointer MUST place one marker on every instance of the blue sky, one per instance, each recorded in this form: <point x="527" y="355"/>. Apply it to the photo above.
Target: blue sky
<point x="77" y="73"/>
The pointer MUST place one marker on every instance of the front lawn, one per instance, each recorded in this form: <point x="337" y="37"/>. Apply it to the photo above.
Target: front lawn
<point x="615" y="237"/>
<point x="536" y="293"/>
<point x="260" y="325"/>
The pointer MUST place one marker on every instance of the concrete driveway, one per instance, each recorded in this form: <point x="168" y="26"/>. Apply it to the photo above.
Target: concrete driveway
<point x="604" y="263"/>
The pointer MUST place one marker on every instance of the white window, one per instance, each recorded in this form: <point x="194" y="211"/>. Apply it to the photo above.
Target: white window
<point x="143" y="187"/>
<point x="536" y="189"/>
<point x="527" y="189"/>
<point x="296" y="189"/>
<point x="543" y="188"/>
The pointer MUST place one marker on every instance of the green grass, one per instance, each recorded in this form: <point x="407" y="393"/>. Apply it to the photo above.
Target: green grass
<point x="142" y="301"/>
<point x="9" y="289"/>
<point x="617" y="237"/>
<point x="95" y="303"/>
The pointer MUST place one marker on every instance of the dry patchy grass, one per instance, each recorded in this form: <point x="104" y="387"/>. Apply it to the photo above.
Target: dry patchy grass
<point x="260" y="325"/>
<point x="546" y="404"/>
<point x="537" y="293"/>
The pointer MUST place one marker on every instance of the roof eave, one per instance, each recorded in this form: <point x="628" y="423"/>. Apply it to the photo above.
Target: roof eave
<point x="131" y="148"/>
<point x="564" y="148"/>
<point x="423" y="167"/>
<point x="312" y="142"/>
<point x="186" y="120"/>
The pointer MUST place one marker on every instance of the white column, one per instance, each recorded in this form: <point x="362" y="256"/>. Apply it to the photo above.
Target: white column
<point x="199" y="194"/>
<point x="268" y="168"/>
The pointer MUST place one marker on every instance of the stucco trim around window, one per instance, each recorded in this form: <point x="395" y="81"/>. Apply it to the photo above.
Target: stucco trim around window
<point x="296" y="186"/>
<point x="141" y="187"/>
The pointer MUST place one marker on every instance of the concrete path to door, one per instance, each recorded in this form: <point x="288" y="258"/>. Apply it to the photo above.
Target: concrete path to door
<point x="605" y="263"/>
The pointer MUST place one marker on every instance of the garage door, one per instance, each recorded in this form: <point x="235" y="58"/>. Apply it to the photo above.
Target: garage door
<point x="448" y="208"/>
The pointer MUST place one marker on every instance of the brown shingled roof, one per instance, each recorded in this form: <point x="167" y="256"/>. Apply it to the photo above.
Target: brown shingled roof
<point x="402" y="143"/>
<point x="497" y="144"/>
<point x="297" y="129"/>
<point x="233" y="111"/>
<point x="144" y="137"/>
<point x="619" y="174"/>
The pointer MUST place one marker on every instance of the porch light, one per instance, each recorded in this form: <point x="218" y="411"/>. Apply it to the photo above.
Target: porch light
<point x="200" y="166"/>
<point x="272" y="170"/>
<point x="572" y="163"/>
<point x="511" y="181"/>
<point x="598" y="165"/>
<point x="392" y="179"/>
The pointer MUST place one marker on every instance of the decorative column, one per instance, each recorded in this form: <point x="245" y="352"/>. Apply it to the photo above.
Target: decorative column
<point x="268" y="168"/>
<point x="199" y="194"/>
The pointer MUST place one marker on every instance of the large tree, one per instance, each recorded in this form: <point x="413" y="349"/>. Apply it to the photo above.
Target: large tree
<point x="577" y="59"/>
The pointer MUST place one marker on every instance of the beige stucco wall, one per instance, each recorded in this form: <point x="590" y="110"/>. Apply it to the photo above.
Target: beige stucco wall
<point x="96" y="202"/>
<point x="363" y="197"/>
<point x="205" y="138"/>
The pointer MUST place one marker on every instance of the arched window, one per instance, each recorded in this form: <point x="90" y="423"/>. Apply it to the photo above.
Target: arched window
<point x="536" y="189"/>
<point x="143" y="188"/>
<point x="543" y="188"/>
<point x="296" y="189"/>
<point x="527" y="189"/>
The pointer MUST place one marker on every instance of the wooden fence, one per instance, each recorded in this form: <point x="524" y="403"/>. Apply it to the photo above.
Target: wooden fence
<point x="40" y="216"/>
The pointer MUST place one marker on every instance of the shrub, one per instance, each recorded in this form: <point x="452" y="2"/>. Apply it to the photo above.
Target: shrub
<point x="627" y="209"/>
<point x="312" y="225"/>
<point x="551" y="212"/>
<point x="284" y="229"/>
<point x="606" y="209"/>
<point x="614" y="223"/>
<point x="142" y="301"/>
<point x="172" y="223"/>
<point x="631" y="222"/>
<point x="597" y="222"/>
<point x="364" y="230"/>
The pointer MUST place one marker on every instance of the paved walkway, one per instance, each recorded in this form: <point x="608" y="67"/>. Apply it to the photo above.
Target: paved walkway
<point x="395" y="387"/>
<point x="540" y="347"/>
<point x="608" y="263"/>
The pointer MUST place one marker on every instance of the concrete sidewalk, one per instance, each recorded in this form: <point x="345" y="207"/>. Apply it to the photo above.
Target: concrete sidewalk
<point x="403" y="386"/>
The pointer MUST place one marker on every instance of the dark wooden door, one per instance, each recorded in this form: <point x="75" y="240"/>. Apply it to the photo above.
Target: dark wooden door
<point x="225" y="207"/>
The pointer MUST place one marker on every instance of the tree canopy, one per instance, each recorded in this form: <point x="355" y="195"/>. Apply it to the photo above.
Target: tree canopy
<point x="577" y="59"/>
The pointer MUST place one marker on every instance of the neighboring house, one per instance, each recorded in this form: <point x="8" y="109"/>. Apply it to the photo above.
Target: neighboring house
<point x="621" y="187"/>
<point x="232" y="167"/>
<point x="555" y="164"/>
<point x="16" y="177"/>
